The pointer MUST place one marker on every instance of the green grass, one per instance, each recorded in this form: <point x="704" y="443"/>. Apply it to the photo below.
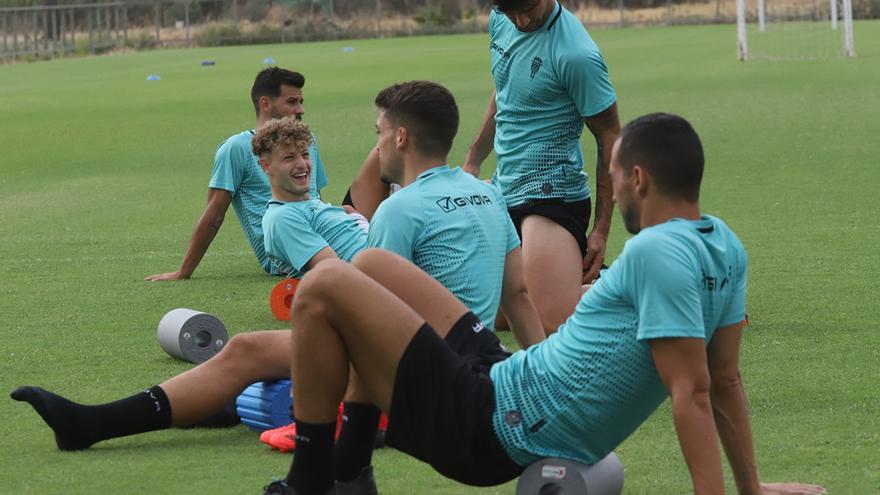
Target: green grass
<point x="103" y="175"/>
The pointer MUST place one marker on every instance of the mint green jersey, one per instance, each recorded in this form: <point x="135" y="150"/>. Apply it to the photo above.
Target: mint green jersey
<point x="546" y="83"/>
<point x="237" y="170"/>
<point x="296" y="231"/>
<point x="581" y="392"/>
<point x="455" y="228"/>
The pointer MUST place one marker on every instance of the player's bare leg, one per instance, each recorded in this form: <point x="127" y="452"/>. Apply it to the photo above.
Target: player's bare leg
<point x="207" y="388"/>
<point x="342" y="315"/>
<point x="553" y="269"/>
<point x="185" y="399"/>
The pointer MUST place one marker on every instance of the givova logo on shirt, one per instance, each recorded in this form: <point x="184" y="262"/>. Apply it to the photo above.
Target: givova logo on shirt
<point x="452" y="203"/>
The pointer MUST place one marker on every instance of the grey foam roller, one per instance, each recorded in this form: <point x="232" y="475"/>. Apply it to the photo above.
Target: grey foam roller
<point x="191" y="335"/>
<point x="554" y="476"/>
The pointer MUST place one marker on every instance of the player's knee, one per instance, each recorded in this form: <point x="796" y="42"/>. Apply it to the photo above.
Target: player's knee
<point x="551" y="321"/>
<point x="370" y="260"/>
<point x="242" y="349"/>
<point x="319" y="287"/>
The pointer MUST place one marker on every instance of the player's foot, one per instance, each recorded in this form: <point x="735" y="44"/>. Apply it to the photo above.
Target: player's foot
<point x="364" y="484"/>
<point x="62" y="415"/>
<point x="282" y="438"/>
<point x="280" y="487"/>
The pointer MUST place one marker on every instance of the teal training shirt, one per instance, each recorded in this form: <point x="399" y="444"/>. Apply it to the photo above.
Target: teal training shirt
<point x="455" y="228"/>
<point x="546" y="83"/>
<point x="581" y="392"/>
<point x="237" y="170"/>
<point x="296" y="231"/>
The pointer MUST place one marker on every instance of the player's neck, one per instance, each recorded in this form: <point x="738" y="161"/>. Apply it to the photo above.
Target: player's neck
<point x="288" y="197"/>
<point x="662" y="210"/>
<point x="416" y="166"/>
<point x="549" y="7"/>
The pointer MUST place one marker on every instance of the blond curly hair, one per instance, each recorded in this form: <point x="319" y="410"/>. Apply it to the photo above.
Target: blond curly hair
<point x="281" y="132"/>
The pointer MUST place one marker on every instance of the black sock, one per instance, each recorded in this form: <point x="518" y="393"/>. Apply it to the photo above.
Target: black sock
<point x="225" y="418"/>
<point x="77" y="426"/>
<point x="312" y="468"/>
<point x="354" y="449"/>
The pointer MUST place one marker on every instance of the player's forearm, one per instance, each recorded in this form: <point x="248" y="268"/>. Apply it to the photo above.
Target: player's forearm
<point x="604" y="205"/>
<point x="485" y="139"/>
<point x="730" y="408"/>
<point x="203" y="235"/>
<point x="692" y="413"/>
<point x="524" y="321"/>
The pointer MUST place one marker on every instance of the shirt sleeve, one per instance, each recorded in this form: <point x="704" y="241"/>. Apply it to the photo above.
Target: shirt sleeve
<point x="289" y="237"/>
<point x="585" y="76"/>
<point x="318" y="167"/>
<point x="663" y="282"/>
<point x="736" y="308"/>
<point x="230" y="163"/>
<point x="396" y="226"/>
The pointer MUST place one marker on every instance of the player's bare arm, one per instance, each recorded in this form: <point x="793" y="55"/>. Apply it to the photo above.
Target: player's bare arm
<point x="516" y="304"/>
<point x="682" y="366"/>
<point x="484" y="141"/>
<point x="367" y="189"/>
<point x="205" y="230"/>
<point x="325" y="254"/>
<point x="605" y="127"/>
<point x="731" y="411"/>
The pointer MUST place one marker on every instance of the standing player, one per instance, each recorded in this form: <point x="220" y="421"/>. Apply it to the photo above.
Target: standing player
<point x="238" y="179"/>
<point x="666" y="320"/>
<point x="550" y="80"/>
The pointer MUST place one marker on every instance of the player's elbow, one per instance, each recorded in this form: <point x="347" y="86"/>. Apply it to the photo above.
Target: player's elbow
<point x="214" y="222"/>
<point x="696" y="395"/>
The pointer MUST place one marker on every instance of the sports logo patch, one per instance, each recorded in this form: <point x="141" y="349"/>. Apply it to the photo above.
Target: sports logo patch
<point x="536" y="65"/>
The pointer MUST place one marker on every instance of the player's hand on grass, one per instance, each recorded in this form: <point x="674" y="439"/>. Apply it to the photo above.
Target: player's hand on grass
<point x="162" y="277"/>
<point x="595" y="256"/>
<point x="790" y="489"/>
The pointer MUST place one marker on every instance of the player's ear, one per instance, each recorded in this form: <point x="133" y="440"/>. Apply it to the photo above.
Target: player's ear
<point x="265" y="102"/>
<point x="402" y="137"/>
<point x="641" y="180"/>
<point x="264" y="164"/>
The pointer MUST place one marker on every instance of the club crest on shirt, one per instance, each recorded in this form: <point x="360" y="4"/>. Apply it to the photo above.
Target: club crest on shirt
<point x="536" y="65"/>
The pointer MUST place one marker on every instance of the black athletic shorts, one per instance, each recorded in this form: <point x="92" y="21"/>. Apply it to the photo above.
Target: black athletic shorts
<point x="442" y="404"/>
<point x="573" y="217"/>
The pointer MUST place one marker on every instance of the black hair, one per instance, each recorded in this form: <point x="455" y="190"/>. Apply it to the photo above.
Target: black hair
<point x="269" y="81"/>
<point x="426" y="109"/>
<point x="668" y="147"/>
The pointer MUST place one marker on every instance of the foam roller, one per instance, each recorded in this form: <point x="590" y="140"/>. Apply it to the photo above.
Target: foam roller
<point x="265" y="405"/>
<point x="560" y="476"/>
<point x="191" y="335"/>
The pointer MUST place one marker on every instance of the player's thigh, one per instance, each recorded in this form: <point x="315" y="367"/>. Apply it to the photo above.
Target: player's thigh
<point x="374" y="325"/>
<point x="418" y="290"/>
<point x="267" y="351"/>
<point x="553" y="267"/>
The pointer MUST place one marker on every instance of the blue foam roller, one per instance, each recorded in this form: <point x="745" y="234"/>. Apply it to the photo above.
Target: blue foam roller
<point x="265" y="405"/>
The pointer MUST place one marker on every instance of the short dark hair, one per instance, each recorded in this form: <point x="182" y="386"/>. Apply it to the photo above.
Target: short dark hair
<point x="503" y="6"/>
<point x="268" y="83"/>
<point x="426" y="109"/>
<point x="668" y="147"/>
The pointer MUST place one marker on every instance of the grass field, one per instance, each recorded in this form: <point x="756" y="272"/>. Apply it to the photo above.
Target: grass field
<point x="104" y="174"/>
